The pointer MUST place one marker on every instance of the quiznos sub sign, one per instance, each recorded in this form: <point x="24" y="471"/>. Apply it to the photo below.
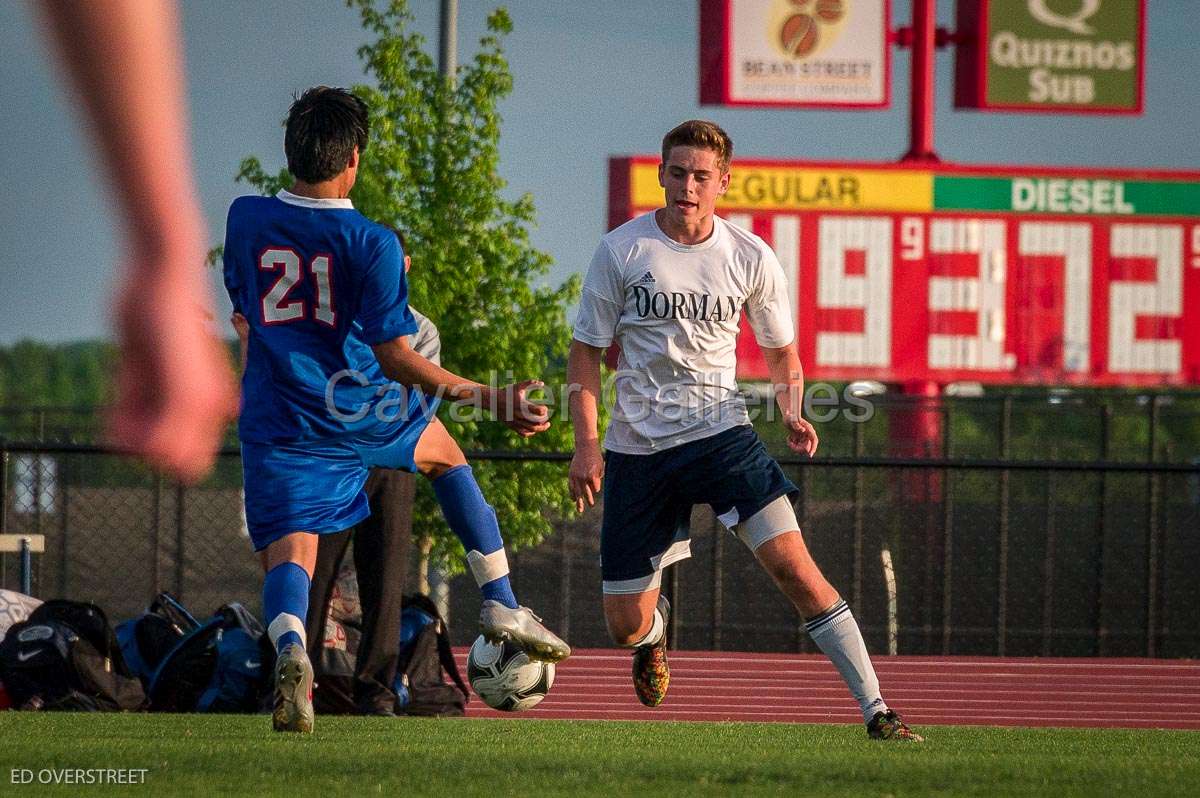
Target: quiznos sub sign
<point x="795" y="53"/>
<point x="1051" y="55"/>
<point x="1004" y="275"/>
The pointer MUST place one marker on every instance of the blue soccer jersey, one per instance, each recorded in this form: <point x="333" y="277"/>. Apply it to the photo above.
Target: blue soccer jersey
<point x="319" y="284"/>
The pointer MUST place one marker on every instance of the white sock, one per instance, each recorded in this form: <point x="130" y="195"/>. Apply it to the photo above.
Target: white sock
<point x="658" y="627"/>
<point x="285" y="623"/>
<point x="836" y="633"/>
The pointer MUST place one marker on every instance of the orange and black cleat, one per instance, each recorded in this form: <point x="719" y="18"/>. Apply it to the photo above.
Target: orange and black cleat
<point x="889" y="726"/>
<point x="651" y="674"/>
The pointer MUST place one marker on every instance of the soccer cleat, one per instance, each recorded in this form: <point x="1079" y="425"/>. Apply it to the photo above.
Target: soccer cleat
<point x="522" y="628"/>
<point x="889" y="726"/>
<point x="651" y="674"/>
<point x="293" y="691"/>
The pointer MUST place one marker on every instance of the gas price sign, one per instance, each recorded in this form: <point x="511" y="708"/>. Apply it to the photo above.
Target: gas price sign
<point x="1003" y="275"/>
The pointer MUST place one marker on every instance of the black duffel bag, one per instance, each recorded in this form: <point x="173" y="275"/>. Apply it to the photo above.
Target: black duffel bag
<point x="66" y="657"/>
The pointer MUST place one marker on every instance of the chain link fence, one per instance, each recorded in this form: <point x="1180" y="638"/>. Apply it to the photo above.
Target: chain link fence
<point x="1034" y="424"/>
<point x="949" y="555"/>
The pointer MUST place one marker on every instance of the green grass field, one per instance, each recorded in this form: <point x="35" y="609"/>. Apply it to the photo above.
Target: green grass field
<point x="239" y="755"/>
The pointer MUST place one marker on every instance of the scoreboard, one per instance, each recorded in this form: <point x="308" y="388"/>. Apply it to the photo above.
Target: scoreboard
<point x="1002" y="275"/>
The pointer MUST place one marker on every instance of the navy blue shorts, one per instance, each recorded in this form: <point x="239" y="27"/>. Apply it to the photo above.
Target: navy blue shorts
<point x="648" y="501"/>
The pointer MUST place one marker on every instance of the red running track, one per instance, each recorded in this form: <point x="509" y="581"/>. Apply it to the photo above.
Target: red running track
<point x="594" y="684"/>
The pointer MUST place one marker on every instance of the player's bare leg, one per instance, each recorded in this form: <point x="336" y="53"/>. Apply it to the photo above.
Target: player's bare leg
<point x="439" y="458"/>
<point x="788" y="562"/>
<point x="289" y="563"/>
<point x="437" y="452"/>
<point x="639" y="621"/>
<point x="629" y="616"/>
<point x="832" y="627"/>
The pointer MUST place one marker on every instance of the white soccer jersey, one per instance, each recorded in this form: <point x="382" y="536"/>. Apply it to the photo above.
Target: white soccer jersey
<point x="426" y="341"/>
<point x="674" y="311"/>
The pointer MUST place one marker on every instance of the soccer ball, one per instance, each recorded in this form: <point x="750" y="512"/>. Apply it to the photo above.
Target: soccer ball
<point x="505" y="677"/>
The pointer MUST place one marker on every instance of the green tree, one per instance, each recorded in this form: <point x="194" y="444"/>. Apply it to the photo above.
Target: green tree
<point x="35" y="374"/>
<point x="431" y="169"/>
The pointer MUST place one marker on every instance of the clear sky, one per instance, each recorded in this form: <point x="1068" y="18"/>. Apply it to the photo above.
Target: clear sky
<point x="592" y="80"/>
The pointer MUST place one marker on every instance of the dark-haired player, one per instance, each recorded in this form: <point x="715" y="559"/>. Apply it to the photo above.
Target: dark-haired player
<point x="324" y="292"/>
<point x="669" y="287"/>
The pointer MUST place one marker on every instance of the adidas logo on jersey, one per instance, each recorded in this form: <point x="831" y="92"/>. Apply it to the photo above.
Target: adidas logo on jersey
<point x="646" y="278"/>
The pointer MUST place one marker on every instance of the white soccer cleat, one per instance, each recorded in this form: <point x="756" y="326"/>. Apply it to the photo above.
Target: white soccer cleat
<point x="293" y="709"/>
<point x="522" y="628"/>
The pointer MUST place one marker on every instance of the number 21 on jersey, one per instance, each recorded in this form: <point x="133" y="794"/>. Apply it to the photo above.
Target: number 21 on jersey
<point x="276" y="307"/>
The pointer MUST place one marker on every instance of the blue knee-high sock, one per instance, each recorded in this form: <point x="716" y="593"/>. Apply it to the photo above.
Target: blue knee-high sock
<point x="473" y="520"/>
<point x="285" y="604"/>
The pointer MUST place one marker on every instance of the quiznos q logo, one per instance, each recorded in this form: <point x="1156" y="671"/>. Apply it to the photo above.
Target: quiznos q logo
<point x="1075" y="23"/>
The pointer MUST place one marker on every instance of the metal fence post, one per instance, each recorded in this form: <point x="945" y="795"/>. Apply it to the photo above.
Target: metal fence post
<point x="1163" y="596"/>
<point x="156" y="533"/>
<point x="64" y="532"/>
<point x="718" y="562"/>
<point x="37" y="492"/>
<point x="947" y="537"/>
<point x="1048" y="569"/>
<point x="857" y="580"/>
<point x="930" y="538"/>
<point x="565" y="584"/>
<point x="802" y="638"/>
<point x="1152" y="537"/>
<point x="1101" y="531"/>
<point x="1002" y="569"/>
<point x="26" y="567"/>
<point x="676" y="604"/>
<point x="180" y="554"/>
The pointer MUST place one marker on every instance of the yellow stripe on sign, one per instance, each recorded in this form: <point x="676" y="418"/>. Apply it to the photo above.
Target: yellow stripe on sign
<point x="782" y="188"/>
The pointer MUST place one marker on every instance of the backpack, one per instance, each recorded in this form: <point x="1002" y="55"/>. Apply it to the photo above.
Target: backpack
<point x="146" y="639"/>
<point x="223" y="665"/>
<point x="66" y="656"/>
<point x="424" y="654"/>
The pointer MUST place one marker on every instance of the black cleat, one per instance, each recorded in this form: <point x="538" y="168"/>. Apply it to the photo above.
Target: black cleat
<point x="889" y="726"/>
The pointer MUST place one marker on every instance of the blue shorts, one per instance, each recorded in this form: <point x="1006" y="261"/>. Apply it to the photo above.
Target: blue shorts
<point x="648" y="501"/>
<point x="317" y="486"/>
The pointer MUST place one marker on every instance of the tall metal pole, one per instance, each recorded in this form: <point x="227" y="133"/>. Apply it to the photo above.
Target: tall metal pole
<point x="448" y="44"/>
<point x="924" y="35"/>
<point x="435" y="579"/>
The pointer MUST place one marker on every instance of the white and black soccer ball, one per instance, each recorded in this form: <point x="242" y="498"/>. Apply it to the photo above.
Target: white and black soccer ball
<point x="505" y="677"/>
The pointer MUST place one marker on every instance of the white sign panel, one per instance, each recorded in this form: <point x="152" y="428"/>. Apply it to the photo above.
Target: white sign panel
<point x="803" y="53"/>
